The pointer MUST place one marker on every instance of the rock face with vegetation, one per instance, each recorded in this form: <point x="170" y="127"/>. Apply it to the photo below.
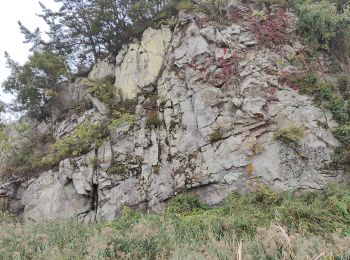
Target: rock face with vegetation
<point x="205" y="107"/>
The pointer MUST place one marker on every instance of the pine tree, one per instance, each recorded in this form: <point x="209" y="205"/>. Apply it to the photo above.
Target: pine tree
<point x="34" y="83"/>
<point x="84" y="31"/>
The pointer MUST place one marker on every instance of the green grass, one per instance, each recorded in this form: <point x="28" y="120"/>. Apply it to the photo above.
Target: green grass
<point x="269" y="226"/>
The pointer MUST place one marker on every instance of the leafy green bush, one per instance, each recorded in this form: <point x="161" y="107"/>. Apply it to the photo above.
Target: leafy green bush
<point x="21" y="149"/>
<point x="342" y="154"/>
<point x="332" y="95"/>
<point x="185" y="204"/>
<point x="319" y="21"/>
<point x="307" y="84"/>
<point x="332" y="98"/>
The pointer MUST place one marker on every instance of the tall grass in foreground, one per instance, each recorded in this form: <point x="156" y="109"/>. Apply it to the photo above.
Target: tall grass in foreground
<point x="261" y="225"/>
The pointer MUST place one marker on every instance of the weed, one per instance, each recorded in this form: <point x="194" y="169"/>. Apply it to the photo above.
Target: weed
<point x="104" y="91"/>
<point x="270" y="30"/>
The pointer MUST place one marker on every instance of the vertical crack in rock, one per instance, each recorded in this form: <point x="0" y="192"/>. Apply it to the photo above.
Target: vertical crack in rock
<point x="92" y="210"/>
<point x="94" y="192"/>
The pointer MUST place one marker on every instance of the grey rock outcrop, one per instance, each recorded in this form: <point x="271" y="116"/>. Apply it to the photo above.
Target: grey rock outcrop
<point x="48" y="198"/>
<point x="219" y="99"/>
<point x="143" y="62"/>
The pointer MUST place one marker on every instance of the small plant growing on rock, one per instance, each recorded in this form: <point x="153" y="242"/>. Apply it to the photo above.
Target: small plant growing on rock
<point x="104" y="91"/>
<point x="281" y="3"/>
<point x="250" y="169"/>
<point x="95" y="161"/>
<point x="117" y="169"/>
<point x="344" y="85"/>
<point x="215" y="136"/>
<point x="258" y="13"/>
<point x="153" y="121"/>
<point x="121" y="118"/>
<point x="343" y="153"/>
<point x="109" y="79"/>
<point x="290" y="133"/>
<point x="173" y="125"/>
<point x="184" y="5"/>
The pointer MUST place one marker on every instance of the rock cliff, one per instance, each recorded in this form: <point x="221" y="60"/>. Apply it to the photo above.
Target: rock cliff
<point x="213" y="115"/>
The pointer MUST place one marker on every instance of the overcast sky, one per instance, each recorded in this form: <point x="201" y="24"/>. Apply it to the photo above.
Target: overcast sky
<point x="11" y="12"/>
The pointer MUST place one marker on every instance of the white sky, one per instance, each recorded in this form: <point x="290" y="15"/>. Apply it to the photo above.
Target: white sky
<point x="11" y="12"/>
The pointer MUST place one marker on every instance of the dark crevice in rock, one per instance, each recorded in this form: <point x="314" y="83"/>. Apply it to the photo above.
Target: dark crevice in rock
<point x="94" y="200"/>
<point x="94" y="192"/>
<point x="94" y="197"/>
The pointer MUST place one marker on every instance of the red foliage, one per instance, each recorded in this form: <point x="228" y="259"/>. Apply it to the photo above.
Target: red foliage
<point x="235" y="15"/>
<point x="227" y="65"/>
<point x="272" y="91"/>
<point x="272" y="30"/>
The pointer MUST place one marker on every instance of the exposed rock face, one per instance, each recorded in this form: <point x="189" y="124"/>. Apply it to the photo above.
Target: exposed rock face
<point x="220" y="100"/>
<point x="103" y="69"/>
<point x="48" y="198"/>
<point x="142" y="64"/>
